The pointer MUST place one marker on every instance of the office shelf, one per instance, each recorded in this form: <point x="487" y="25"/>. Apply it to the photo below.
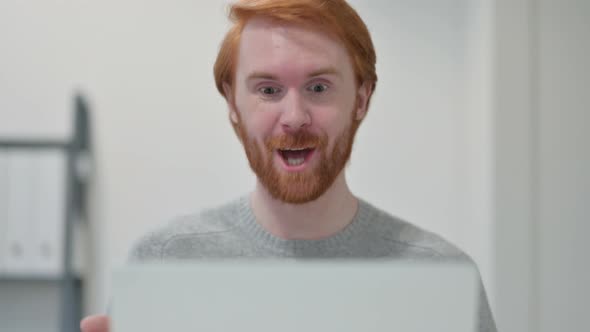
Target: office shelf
<point x="45" y="277"/>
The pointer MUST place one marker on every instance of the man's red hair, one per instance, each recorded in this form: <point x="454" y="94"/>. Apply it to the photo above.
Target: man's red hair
<point x="336" y="17"/>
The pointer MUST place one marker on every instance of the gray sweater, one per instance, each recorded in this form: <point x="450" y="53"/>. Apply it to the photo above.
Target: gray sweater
<point x="231" y="231"/>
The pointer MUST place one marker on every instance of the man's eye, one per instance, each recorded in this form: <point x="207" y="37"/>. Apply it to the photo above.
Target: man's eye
<point x="318" y="88"/>
<point x="269" y="90"/>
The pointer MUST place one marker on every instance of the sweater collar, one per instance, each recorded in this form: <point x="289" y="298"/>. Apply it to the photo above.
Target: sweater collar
<point x="247" y="222"/>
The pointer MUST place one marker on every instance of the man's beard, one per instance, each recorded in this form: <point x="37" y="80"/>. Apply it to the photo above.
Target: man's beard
<point x="304" y="186"/>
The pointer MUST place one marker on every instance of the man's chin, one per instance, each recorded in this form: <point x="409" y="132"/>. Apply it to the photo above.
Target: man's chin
<point x="297" y="199"/>
<point x="291" y="193"/>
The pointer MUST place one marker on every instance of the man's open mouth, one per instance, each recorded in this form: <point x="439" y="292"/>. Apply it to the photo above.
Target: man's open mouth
<point x="295" y="156"/>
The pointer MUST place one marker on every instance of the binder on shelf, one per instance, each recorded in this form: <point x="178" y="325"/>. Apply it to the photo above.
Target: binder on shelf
<point x="22" y="196"/>
<point x="49" y="219"/>
<point x="32" y="204"/>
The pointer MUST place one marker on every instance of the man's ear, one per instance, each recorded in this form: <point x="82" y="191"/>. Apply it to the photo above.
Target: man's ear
<point x="363" y="96"/>
<point x="231" y="105"/>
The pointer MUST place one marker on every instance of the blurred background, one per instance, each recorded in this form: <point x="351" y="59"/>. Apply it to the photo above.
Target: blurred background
<point x="479" y="131"/>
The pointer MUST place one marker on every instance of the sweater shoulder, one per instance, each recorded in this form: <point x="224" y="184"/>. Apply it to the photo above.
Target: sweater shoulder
<point x="414" y="239"/>
<point x="150" y="246"/>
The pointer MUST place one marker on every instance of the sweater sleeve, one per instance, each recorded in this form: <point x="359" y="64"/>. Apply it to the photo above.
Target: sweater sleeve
<point x="485" y="322"/>
<point x="147" y="248"/>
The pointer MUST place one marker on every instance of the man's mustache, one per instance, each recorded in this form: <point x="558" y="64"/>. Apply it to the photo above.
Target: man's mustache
<point x="297" y="140"/>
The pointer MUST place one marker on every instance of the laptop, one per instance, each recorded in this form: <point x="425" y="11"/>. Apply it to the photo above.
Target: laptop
<point x="295" y="296"/>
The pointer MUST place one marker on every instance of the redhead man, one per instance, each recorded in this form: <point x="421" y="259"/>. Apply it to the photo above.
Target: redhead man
<point x="297" y="76"/>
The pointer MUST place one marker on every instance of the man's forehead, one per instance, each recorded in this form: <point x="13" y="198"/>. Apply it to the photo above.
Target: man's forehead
<point x="268" y="34"/>
<point x="266" y="44"/>
<point x="268" y="25"/>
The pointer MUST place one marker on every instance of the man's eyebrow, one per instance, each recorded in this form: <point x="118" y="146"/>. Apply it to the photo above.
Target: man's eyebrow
<point x="269" y="76"/>
<point x="324" y="71"/>
<point x="261" y="75"/>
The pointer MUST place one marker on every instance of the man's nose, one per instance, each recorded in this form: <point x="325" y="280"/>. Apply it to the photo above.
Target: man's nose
<point x="295" y="115"/>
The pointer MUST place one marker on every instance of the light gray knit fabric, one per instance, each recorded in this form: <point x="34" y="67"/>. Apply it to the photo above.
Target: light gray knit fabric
<point x="231" y="231"/>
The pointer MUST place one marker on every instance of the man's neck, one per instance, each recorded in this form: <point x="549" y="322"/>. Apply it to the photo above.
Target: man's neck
<point x="325" y="216"/>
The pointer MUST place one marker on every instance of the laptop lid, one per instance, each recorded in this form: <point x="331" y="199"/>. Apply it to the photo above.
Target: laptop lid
<point x="295" y="296"/>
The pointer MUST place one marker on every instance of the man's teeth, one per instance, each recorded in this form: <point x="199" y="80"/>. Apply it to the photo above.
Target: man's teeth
<point x="295" y="161"/>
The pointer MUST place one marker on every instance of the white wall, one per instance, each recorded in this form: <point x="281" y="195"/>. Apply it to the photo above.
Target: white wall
<point x="542" y="165"/>
<point x="513" y="151"/>
<point x="161" y="135"/>
<point x="563" y="165"/>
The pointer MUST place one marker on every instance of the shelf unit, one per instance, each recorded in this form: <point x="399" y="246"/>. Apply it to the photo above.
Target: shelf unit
<point x="63" y="283"/>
